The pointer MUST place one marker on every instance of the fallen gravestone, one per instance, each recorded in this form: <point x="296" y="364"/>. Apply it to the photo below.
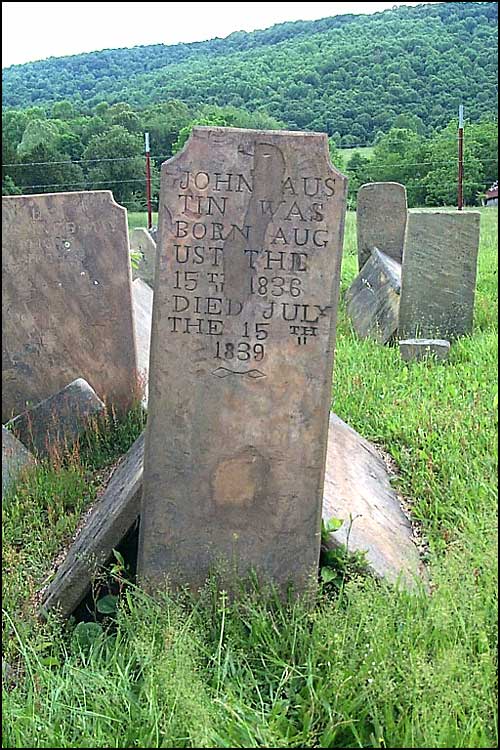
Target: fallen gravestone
<point x="439" y="274"/>
<point x="141" y="242"/>
<point x="356" y="482"/>
<point x="381" y="212"/>
<point x="244" y="313"/>
<point x="373" y="298"/>
<point x="58" y="421"/>
<point x="15" y="458"/>
<point x="66" y="298"/>
<point x="358" y="490"/>
<point x="142" y="300"/>
<point x="108" y="523"/>
<point x="414" y="350"/>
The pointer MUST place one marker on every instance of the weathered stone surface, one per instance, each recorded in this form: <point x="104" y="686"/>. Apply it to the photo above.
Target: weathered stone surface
<point x="357" y="487"/>
<point x="373" y="298"/>
<point x="59" y="420"/>
<point x="15" y="458"/>
<point x="244" y="312"/>
<point x="109" y="521"/>
<point x="153" y="232"/>
<point x="142" y="298"/>
<point x="381" y="212"/>
<point x="142" y="242"/>
<point x="66" y="298"/>
<point x="417" y="349"/>
<point x="439" y="274"/>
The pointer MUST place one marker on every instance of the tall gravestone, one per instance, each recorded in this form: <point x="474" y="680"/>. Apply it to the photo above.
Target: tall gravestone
<point x="381" y="213"/>
<point x="244" y="313"/>
<point x="66" y="298"/>
<point x="439" y="274"/>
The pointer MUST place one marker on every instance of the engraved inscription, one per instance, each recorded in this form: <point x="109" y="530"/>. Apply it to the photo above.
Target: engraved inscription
<point x="276" y="264"/>
<point x="249" y="244"/>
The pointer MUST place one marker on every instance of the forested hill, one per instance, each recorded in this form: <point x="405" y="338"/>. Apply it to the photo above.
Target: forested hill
<point x="349" y="75"/>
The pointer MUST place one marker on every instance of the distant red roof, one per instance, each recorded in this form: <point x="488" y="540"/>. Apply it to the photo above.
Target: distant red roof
<point x="492" y="192"/>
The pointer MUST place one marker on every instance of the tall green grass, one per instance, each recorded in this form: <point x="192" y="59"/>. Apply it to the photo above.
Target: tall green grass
<point x="373" y="666"/>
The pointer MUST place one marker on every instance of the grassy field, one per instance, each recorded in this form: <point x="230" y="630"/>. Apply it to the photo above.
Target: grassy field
<point x="365" y="151"/>
<point x="369" y="666"/>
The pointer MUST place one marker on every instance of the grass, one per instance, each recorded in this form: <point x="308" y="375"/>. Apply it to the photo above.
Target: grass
<point x="348" y="153"/>
<point x="369" y="666"/>
<point x="140" y="219"/>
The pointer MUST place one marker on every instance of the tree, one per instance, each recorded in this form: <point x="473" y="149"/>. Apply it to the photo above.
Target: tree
<point x="116" y="163"/>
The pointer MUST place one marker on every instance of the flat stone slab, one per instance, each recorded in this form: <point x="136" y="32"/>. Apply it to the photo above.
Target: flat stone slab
<point x="356" y="482"/>
<point x="66" y="298"/>
<point x="439" y="274"/>
<point x="244" y="314"/>
<point x="381" y="214"/>
<point x="414" y="350"/>
<point x="112" y="517"/>
<point x="373" y="298"/>
<point x="58" y="421"/>
<point x="15" y="459"/>
<point x="142" y="299"/>
<point x="357" y="486"/>
<point x="142" y="242"/>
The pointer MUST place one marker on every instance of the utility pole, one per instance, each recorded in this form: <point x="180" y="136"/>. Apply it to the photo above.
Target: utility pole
<point x="148" y="180"/>
<point x="460" y="200"/>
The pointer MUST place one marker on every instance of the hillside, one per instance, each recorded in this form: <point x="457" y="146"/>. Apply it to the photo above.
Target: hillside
<point x="347" y="75"/>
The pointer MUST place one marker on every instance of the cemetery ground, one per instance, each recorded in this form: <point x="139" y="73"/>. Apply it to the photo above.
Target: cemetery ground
<point x="371" y="665"/>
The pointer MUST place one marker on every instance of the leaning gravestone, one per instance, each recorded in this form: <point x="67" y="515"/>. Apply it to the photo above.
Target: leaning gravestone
<point x="142" y="300"/>
<point x="244" y="312"/>
<point x="357" y="484"/>
<point x="372" y="300"/>
<point x="66" y="298"/>
<point x="15" y="458"/>
<point x="381" y="212"/>
<point x="56" y="423"/>
<point x="439" y="274"/>
<point x="358" y="491"/>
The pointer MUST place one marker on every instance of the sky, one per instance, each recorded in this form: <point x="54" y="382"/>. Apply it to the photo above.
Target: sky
<point x="35" y="31"/>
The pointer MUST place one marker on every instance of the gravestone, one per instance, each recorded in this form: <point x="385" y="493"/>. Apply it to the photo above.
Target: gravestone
<point x="381" y="212"/>
<point x="142" y="300"/>
<point x="66" y="298"/>
<point x="142" y="242"/>
<point x="112" y="516"/>
<point x="358" y="491"/>
<point x="357" y="482"/>
<point x="372" y="300"/>
<point x="414" y="350"/>
<point x="58" y="421"/>
<point x="15" y="458"/>
<point x="244" y="312"/>
<point x="439" y="274"/>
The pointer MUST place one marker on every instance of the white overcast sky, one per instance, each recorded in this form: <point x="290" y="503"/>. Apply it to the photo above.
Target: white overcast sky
<point x="35" y="31"/>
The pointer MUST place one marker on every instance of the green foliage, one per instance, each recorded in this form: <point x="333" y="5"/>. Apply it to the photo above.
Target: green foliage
<point x="352" y="75"/>
<point x="9" y="187"/>
<point x="116" y="163"/>
<point x="428" y="166"/>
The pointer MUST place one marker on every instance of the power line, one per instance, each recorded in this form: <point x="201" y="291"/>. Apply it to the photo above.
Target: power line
<point x="80" y="161"/>
<point x="140" y="156"/>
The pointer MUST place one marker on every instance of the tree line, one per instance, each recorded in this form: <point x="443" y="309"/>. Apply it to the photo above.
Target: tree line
<point x="62" y="149"/>
<point x="349" y="76"/>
